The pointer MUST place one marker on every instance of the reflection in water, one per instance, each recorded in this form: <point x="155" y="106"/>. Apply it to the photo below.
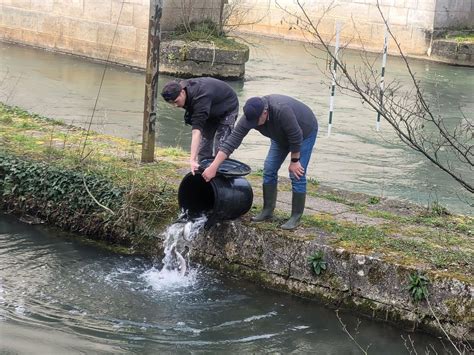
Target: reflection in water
<point x="60" y="296"/>
<point x="355" y="157"/>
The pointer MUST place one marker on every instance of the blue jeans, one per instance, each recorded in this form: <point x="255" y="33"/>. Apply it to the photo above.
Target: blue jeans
<point x="277" y="155"/>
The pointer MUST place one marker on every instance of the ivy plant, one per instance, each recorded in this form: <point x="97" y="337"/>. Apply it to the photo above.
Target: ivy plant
<point x="317" y="262"/>
<point x="418" y="286"/>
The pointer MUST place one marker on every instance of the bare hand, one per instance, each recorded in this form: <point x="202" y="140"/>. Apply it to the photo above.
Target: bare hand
<point x="194" y="166"/>
<point x="296" y="169"/>
<point x="209" y="173"/>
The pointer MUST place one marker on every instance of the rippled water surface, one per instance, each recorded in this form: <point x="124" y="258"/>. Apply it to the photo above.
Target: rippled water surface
<point x="355" y="157"/>
<point x="60" y="295"/>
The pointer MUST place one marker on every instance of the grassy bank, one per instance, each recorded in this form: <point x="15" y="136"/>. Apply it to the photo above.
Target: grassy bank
<point x="111" y="195"/>
<point x="116" y="198"/>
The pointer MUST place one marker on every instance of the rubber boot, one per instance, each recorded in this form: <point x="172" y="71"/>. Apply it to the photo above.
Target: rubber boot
<point x="297" y="208"/>
<point x="269" y="202"/>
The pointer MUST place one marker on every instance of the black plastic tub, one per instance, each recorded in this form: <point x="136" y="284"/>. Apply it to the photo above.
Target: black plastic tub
<point x="223" y="198"/>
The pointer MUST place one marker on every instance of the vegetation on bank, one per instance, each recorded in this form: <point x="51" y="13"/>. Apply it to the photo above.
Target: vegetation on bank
<point x="467" y="37"/>
<point x="110" y="194"/>
<point x="206" y="31"/>
<point x="42" y="160"/>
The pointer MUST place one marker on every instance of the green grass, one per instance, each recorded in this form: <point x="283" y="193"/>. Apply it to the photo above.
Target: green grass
<point x="206" y="31"/>
<point x="441" y="249"/>
<point x="462" y="38"/>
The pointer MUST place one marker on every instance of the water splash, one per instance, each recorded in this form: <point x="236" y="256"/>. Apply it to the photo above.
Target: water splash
<point x="175" y="271"/>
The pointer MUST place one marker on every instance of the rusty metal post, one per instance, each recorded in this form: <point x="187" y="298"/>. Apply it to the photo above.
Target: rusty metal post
<point x="151" y="81"/>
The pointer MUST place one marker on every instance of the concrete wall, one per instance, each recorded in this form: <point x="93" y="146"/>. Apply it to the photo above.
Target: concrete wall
<point x="87" y="27"/>
<point x="454" y="14"/>
<point x="412" y="21"/>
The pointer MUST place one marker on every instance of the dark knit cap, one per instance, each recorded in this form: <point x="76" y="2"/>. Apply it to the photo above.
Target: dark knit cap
<point x="171" y="91"/>
<point x="253" y="109"/>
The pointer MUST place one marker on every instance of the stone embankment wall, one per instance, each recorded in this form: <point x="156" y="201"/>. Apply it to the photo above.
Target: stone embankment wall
<point x="412" y="21"/>
<point x="87" y="27"/>
<point x="363" y="283"/>
<point x="453" y="52"/>
<point x="202" y="59"/>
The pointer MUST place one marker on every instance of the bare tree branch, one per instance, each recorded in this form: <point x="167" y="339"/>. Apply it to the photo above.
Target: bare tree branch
<point x="405" y="108"/>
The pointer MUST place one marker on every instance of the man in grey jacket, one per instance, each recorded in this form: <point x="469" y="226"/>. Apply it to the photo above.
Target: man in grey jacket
<point x="211" y="109"/>
<point x="292" y="128"/>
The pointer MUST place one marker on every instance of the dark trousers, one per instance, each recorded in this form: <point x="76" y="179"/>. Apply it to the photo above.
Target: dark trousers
<point x="214" y="133"/>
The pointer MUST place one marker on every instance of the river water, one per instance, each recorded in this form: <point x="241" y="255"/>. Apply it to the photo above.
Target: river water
<point x="355" y="157"/>
<point x="62" y="295"/>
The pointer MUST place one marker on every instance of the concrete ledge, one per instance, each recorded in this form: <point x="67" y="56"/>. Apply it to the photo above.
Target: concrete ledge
<point x="202" y="59"/>
<point x="453" y="52"/>
<point x="367" y="284"/>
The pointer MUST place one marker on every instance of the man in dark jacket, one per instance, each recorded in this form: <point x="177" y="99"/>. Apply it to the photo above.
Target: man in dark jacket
<point x="292" y="128"/>
<point x="211" y="109"/>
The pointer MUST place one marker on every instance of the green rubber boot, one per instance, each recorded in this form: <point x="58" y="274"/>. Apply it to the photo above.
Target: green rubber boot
<point x="297" y="207"/>
<point x="269" y="202"/>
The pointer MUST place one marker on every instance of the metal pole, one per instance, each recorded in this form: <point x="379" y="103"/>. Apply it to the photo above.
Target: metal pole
<point x="151" y="81"/>
<point x="382" y="77"/>
<point x="333" y="85"/>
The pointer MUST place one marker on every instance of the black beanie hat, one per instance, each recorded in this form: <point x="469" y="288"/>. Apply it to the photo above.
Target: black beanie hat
<point x="253" y="109"/>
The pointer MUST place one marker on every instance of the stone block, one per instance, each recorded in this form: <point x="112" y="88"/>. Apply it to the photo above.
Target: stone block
<point x="22" y="4"/>
<point x="404" y="36"/>
<point x="374" y="14"/>
<point x="98" y="10"/>
<point x="387" y="2"/>
<point x="426" y="5"/>
<point x="419" y="43"/>
<point x="43" y="40"/>
<point x="119" y="36"/>
<point x="125" y="37"/>
<point x="27" y="20"/>
<point x="193" y="69"/>
<point x="122" y="12"/>
<point x="328" y="26"/>
<point x="355" y="11"/>
<point x="358" y="31"/>
<point x="141" y="16"/>
<point x="126" y="56"/>
<point x="18" y="18"/>
<point x="404" y="3"/>
<point x="398" y="16"/>
<point x="141" y="43"/>
<point x="49" y="24"/>
<point x="202" y="52"/>
<point x="42" y="5"/>
<point x="69" y="8"/>
<point x="11" y="34"/>
<point x="278" y="17"/>
<point x="80" y="29"/>
<point x="421" y="18"/>
<point x="105" y="33"/>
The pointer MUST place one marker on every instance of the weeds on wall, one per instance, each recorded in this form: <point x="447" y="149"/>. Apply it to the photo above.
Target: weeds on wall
<point x="90" y="204"/>
<point x="317" y="262"/>
<point x="418" y="286"/>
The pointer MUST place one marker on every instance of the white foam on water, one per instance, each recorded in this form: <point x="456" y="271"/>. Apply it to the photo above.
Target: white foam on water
<point x="256" y="337"/>
<point x="168" y="280"/>
<point x="262" y="316"/>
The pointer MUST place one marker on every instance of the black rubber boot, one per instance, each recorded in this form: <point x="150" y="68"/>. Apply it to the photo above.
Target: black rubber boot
<point x="269" y="202"/>
<point x="297" y="207"/>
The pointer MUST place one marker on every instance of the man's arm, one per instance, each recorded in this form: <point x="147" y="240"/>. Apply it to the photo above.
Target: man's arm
<point x="211" y="170"/>
<point x="195" y="141"/>
<point x="295" y="138"/>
